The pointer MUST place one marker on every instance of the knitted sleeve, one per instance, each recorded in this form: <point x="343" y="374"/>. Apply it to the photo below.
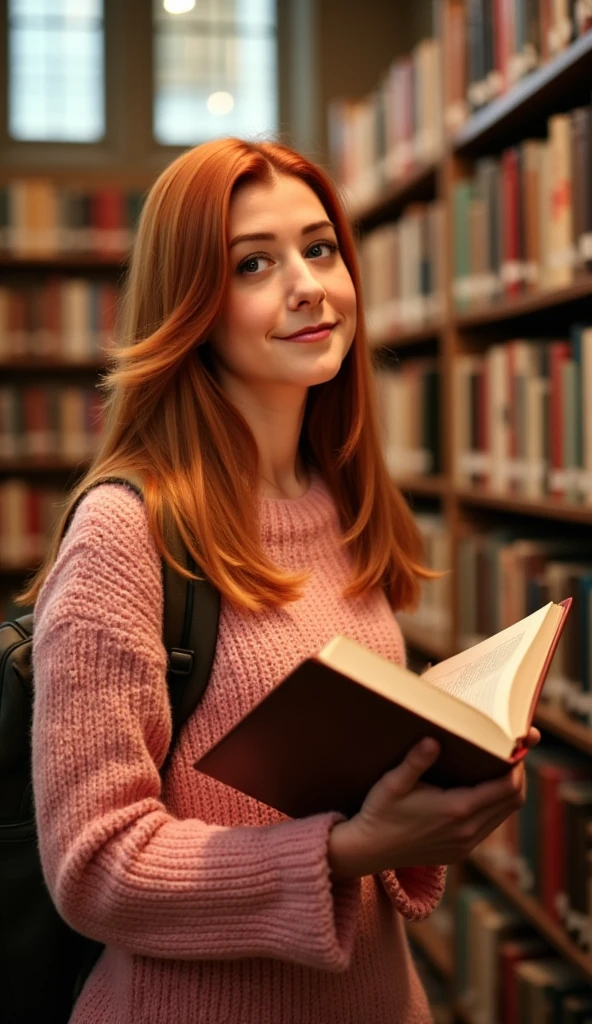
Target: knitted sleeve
<point x="121" y="868"/>
<point x="415" y="891"/>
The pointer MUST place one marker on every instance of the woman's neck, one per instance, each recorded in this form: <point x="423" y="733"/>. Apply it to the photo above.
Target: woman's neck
<point x="275" y="416"/>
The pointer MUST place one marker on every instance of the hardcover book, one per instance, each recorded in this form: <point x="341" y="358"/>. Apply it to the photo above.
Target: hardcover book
<point x="323" y="736"/>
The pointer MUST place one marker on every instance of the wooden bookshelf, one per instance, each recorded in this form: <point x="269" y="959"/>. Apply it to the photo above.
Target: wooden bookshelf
<point x="24" y="467"/>
<point x="518" y="306"/>
<point x="555" y="721"/>
<point x="435" y="947"/>
<point x="535" y="914"/>
<point x="430" y="486"/>
<point x="405" y="337"/>
<point x="67" y="261"/>
<point x="546" y="508"/>
<point x="32" y="364"/>
<point x="547" y="88"/>
<point x="389" y="201"/>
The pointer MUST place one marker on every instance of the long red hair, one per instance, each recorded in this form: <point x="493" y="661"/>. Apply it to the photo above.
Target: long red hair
<point x="169" y="422"/>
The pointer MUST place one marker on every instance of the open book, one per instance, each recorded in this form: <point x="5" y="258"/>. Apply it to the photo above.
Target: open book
<point x="321" y="738"/>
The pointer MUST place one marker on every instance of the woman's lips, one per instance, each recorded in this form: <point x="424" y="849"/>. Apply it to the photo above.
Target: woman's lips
<point x="314" y="335"/>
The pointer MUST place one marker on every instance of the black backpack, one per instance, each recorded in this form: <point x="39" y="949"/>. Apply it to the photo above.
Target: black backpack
<point x="44" y="962"/>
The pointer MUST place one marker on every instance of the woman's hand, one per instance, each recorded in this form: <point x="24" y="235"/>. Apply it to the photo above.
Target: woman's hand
<point x="405" y="822"/>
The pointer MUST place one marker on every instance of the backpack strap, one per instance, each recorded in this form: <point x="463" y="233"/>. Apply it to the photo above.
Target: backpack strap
<point x="191" y="610"/>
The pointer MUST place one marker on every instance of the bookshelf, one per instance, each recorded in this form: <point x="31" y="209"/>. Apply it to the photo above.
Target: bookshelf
<point x="556" y="87"/>
<point x="64" y="240"/>
<point x="534" y="913"/>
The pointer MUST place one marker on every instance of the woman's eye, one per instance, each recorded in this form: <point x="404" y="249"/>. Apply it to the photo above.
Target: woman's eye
<point x="316" y="250"/>
<point x="253" y="264"/>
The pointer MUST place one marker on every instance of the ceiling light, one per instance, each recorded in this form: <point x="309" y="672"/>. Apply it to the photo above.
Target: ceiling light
<point x="220" y="103"/>
<point x="178" y="6"/>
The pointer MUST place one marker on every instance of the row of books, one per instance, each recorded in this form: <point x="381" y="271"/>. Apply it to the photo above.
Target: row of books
<point x="433" y="612"/>
<point x="383" y="137"/>
<point x="402" y="266"/>
<point x="546" y="848"/>
<point x="65" y="318"/>
<point x="492" y="44"/>
<point x="523" y="222"/>
<point x="43" y="218"/>
<point x="524" y="418"/>
<point x="38" y="422"/>
<point x="505" y="973"/>
<point x="28" y="516"/>
<point x="409" y="406"/>
<point x="505" y="576"/>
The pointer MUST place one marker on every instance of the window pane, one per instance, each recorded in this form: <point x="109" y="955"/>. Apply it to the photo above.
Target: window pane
<point x="226" y="47"/>
<point x="56" y="80"/>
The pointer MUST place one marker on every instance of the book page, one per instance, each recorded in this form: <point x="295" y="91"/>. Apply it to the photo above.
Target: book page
<point x="479" y="683"/>
<point x="483" y="675"/>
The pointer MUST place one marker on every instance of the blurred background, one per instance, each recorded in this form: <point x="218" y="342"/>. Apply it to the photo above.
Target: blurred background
<point x="460" y="134"/>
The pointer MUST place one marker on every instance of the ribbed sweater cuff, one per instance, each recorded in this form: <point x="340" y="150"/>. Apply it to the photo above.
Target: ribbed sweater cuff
<point x="415" y="891"/>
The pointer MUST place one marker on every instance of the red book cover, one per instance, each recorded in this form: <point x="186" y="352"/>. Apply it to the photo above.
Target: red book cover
<point x="559" y="351"/>
<point x="52" y="316"/>
<point x="511" y="269"/>
<point x="546" y="18"/>
<point x="500" y="34"/>
<point x="108" y="219"/>
<point x="512" y="952"/>
<point x="36" y="422"/>
<point x="552" y="830"/>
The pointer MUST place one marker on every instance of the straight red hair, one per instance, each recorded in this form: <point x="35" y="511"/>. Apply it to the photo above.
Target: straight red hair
<point x="170" y="423"/>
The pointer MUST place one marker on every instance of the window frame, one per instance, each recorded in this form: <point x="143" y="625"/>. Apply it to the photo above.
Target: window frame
<point x="129" y="146"/>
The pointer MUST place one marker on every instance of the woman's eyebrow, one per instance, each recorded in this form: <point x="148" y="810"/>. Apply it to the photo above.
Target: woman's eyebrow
<point x="268" y="236"/>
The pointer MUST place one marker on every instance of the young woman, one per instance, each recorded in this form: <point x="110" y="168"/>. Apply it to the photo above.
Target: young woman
<point x="243" y="397"/>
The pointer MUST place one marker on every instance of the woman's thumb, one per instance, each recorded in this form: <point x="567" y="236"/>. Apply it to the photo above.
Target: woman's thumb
<point x="405" y="777"/>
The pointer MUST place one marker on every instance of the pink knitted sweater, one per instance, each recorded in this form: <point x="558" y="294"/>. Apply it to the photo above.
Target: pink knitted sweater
<point x="214" y="908"/>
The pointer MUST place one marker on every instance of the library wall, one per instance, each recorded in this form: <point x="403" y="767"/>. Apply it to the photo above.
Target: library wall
<point x="474" y="217"/>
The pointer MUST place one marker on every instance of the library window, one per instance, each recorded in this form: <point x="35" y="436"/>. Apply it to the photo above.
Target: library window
<point x="215" y="70"/>
<point x="56" y="75"/>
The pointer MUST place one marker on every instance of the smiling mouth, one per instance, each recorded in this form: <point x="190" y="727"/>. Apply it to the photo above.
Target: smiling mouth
<point x="318" y="333"/>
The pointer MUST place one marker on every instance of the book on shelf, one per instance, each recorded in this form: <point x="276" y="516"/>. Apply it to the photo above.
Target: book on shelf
<point x="504" y="971"/>
<point x="28" y="517"/>
<point x="490" y="45"/>
<point x="523" y="423"/>
<point x="507" y="576"/>
<point x="293" y="750"/>
<point x="402" y="267"/>
<point x="41" y="218"/>
<point x="392" y="131"/>
<point x="49" y="421"/>
<point x="409" y="408"/>
<point x="523" y="220"/>
<point x="543" y="849"/>
<point x="432" y="614"/>
<point x="69" y="319"/>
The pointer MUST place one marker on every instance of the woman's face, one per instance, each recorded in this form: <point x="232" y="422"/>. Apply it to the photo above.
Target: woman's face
<point x="290" y="312"/>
